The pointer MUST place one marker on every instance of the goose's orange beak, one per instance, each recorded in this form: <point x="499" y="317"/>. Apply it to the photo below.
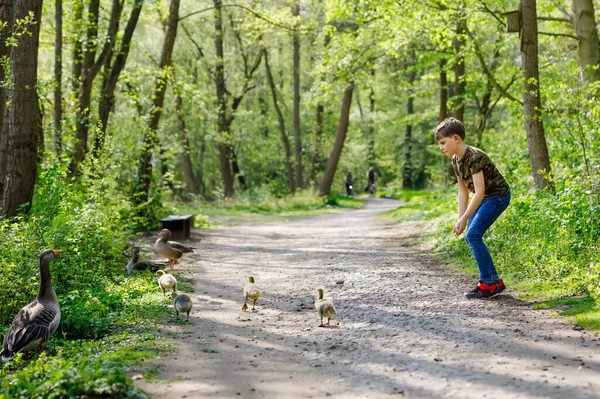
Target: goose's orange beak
<point x="160" y="234"/>
<point x="57" y="252"/>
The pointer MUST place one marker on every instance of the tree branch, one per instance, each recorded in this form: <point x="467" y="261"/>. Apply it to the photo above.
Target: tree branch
<point x="251" y="11"/>
<point x="558" y="35"/>
<point x="113" y="27"/>
<point x="487" y="71"/>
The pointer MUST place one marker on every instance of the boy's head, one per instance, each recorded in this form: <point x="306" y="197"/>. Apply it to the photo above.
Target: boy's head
<point x="449" y="128"/>
<point x="450" y="135"/>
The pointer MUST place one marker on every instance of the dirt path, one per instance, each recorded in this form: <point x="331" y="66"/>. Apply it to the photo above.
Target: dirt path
<point x="405" y="328"/>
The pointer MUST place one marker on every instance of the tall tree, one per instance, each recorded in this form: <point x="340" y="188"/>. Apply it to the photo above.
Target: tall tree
<point x="6" y="16"/>
<point x="107" y="100"/>
<point x="77" y="65"/>
<point x="584" y="21"/>
<point x="443" y="111"/>
<point x="318" y="141"/>
<point x="459" y="69"/>
<point x="186" y="159"/>
<point x="144" y="177"/>
<point x="407" y="171"/>
<point x="282" y="131"/>
<point x="23" y="121"/>
<point x="338" y="145"/>
<point x="296" y="69"/>
<point x="91" y="66"/>
<point x="536" y="139"/>
<point x="225" y="111"/>
<point x="58" y="110"/>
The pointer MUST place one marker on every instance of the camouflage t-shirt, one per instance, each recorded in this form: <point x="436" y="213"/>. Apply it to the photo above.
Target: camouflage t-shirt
<point x="473" y="161"/>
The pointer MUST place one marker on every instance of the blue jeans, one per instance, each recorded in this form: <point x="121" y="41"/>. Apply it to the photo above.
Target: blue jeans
<point x="479" y="222"/>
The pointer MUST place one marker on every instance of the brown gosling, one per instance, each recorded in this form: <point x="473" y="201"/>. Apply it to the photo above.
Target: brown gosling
<point x="325" y="308"/>
<point x="182" y="304"/>
<point x="166" y="281"/>
<point x="251" y="292"/>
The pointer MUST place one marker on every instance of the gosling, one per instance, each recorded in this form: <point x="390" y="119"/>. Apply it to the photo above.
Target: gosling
<point x="166" y="282"/>
<point x="251" y="292"/>
<point x="182" y="304"/>
<point x="325" y="308"/>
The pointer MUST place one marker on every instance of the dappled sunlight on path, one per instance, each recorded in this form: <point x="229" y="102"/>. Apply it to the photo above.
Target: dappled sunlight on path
<point x="404" y="327"/>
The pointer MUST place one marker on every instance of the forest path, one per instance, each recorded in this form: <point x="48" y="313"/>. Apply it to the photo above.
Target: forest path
<point x="405" y="328"/>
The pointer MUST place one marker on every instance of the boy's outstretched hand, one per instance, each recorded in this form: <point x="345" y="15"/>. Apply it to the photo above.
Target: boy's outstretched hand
<point x="459" y="227"/>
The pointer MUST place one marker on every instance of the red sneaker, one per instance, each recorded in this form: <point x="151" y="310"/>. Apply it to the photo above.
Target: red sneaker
<point x="483" y="290"/>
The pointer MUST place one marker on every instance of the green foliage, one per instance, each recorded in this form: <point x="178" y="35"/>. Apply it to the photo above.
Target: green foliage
<point x="546" y="244"/>
<point x="78" y="369"/>
<point x="89" y="223"/>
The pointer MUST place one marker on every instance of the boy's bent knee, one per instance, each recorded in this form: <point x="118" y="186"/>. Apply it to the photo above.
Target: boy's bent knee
<point x="472" y="236"/>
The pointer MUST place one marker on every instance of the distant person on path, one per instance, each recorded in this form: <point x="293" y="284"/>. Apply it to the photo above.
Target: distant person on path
<point x="476" y="173"/>
<point x="349" y="183"/>
<point x="370" y="181"/>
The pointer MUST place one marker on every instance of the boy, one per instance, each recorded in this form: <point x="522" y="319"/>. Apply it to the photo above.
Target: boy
<point x="476" y="173"/>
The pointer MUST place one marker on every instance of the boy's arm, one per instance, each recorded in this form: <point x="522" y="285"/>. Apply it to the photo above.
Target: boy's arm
<point x="479" y="183"/>
<point x="463" y="197"/>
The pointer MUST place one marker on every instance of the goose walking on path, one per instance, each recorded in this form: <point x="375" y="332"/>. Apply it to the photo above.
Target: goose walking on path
<point x="182" y="304"/>
<point x="36" y="322"/>
<point x="136" y="264"/>
<point x="166" y="282"/>
<point x="325" y="308"/>
<point x="171" y="250"/>
<point x="251" y="292"/>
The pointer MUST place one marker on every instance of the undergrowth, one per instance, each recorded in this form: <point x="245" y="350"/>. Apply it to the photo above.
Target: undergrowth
<point x="546" y="245"/>
<point x="107" y="319"/>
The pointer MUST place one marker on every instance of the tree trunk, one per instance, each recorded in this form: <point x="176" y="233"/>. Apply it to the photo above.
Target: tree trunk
<point x="144" y="178"/>
<point x="407" y="171"/>
<point x="584" y="22"/>
<point x="58" y="79"/>
<point x="23" y="118"/>
<point x="186" y="160"/>
<point x="443" y="92"/>
<point x="6" y="14"/>
<point x="459" y="71"/>
<point x="538" y="151"/>
<point x="338" y="145"/>
<point x="223" y="126"/>
<point x="367" y="125"/>
<point x="371" y="156"/>
<point x="484" y="114"/>
<point x="282" y="132"/>
<point x="318" y="141"/>
<point x="236" y="168"/>
<point x="90" y="68"/>
<point x="77" y="45"/>
<point x="296" y="68"/>
<point x="108" y="93"/>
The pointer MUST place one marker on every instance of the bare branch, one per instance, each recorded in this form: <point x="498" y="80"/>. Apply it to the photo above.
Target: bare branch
<point x="487" y="71"/>
<point x="558" y="35"/>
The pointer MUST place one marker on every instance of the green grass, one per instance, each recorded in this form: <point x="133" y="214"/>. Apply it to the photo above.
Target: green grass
<point x="583" y="311"/>
<point x="556" y="283"/>
<point x="263" y="208"/>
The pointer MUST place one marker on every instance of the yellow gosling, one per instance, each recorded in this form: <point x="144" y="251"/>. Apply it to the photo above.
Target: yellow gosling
<point x="325" y="308"/>
<point x="251" y="292"/>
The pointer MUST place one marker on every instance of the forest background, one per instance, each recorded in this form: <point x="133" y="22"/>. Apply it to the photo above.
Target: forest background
<point x="115" y="113"/>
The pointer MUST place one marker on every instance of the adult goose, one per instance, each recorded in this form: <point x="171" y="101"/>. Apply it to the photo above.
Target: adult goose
<point x="171" y="250"/>
<point x="36" y="322"/>
<point x="136" y="264"/>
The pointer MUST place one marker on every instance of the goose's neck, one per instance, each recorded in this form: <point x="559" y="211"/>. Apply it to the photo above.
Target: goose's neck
<point x="134" y="257"/>
<point x="46" y="291"/>
<point x="320" y="294"/>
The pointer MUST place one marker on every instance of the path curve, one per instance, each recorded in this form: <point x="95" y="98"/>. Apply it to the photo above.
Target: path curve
<point x="405" y="329"/>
